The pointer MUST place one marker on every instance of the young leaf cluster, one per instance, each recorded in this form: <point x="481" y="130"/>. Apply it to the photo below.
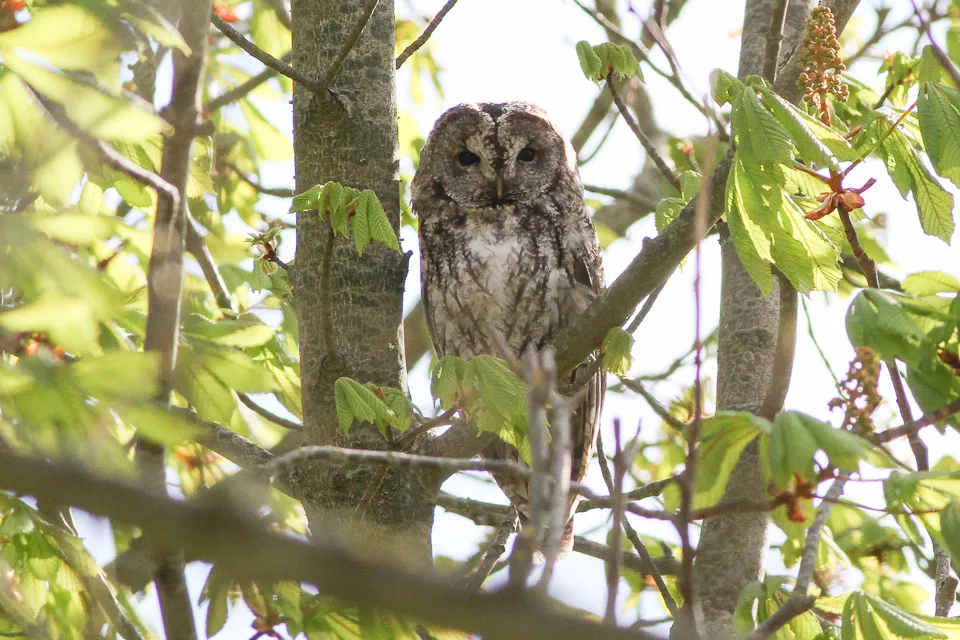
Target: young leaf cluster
<point x="383" y="406"/>
<point x="489" y="393"/>
<point x="350" y="211"/>
<point x="602" y="60"/>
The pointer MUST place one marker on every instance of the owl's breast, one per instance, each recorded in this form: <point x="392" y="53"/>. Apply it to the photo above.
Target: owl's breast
<point x="493" y="278"/>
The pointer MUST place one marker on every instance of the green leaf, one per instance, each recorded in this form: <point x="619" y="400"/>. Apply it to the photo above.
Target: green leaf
<point x="156" y="424"/>
<point x="867" y="620"/>
<point x="67" y="36"/>
<point x="110" y="116"/>
<point x="370" y="222"/>
<point x="589" y="60"/>
<point x="925" y="283"/>
<point x="246" y="331"/>
<point x="743" y="615"/>
<point x="307" y="200"/>
<point x="900" y="622"/>
<point x="810" y="147"/>
<point x="270" y="143"/>
<point x="118" y="374"/>
<point x="267" y="31"/>
<point x="150" y="22"/>
<point x="355" y="402"/>
<point x="667" y="211"/>
<point x="617" y="347"/>
<point x="448" y="373"/>
<point x="751" y="189"/>
<point x="722" y="439"/>
<point x="930" y="69"/>
<point x="725" y="88"/>
<point x="934" y="204"/>
<point x="759" y="136"/>
<point x="74" y="227"/>
<point x="361" y="222"/>
<point x="939" y="113"/>
<point x="69" y="322"/>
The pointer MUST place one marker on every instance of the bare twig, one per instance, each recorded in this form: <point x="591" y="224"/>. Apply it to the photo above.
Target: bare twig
<point x="559" y="471"/>
<point x="640" y="493"/>
<point x="637" y="387"/>
<point x="645" y="309"/>
<point x="496" y="549"/>
<point x="621" y="195"/>
<point x="938" y="51"/>
<point x="351" y="41"/>
<point x="799" y="601"/>
<point x="645" y="142"/>
<point x="615" y="484"/>
<point x="196" y="245"/>
<point x="650" y="566"/>
<point x="427" y="32"/>
<point x="444" y="418"/>
<point x="913" y="427"/>
<point x="279" y="66"/>
<point x="278" y="192"/>
<point x="269" y="415"/>
<point x="244" y="88"/>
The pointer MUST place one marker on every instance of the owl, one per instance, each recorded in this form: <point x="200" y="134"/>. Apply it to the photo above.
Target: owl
<point x="508" y="249"/>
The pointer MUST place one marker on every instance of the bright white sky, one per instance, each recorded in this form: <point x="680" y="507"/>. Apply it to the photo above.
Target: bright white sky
<point x="498" y="50"/>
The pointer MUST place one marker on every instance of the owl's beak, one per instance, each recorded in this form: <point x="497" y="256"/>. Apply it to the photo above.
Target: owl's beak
<point x="499" y="189"/>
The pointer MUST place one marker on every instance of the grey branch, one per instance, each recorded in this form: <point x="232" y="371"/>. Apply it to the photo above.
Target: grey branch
<point x="269" y="415"/>
<point x="215" y="534"/>
<point x="645" y="142"/>
<point x="651" y="267"/>
<point x="497" y="548"/>
<point x="427" y="32"/>
<point x="279" y="66"/>
<point x="244" y="88"/>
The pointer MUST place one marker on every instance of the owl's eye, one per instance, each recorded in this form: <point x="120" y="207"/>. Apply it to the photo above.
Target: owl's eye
<point x="468" y="158"/>
<point x="526" y="155"/>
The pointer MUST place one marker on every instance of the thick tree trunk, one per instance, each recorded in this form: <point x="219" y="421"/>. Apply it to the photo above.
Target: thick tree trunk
<point x="350" y="136"/>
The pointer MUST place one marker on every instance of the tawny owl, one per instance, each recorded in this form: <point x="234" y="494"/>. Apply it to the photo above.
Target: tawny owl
<point x="507" y="248"/>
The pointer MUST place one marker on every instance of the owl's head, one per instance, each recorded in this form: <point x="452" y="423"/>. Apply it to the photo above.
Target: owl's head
<point x="488" y="155"/>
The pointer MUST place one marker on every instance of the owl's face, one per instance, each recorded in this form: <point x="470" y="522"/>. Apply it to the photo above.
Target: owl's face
<point x="490" y="155"/>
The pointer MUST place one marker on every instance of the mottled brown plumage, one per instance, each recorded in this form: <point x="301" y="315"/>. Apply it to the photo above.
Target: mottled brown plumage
<point x="507" y="248"/>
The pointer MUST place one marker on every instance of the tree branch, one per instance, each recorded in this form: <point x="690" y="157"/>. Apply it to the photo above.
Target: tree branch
<point x="277" y="192"/>
<point x="423" y="37"/>
<point x="164" y="293"/>
<point x="269" y="415"/>
<point x="645" y="142"/>
<point x="649" y="269"/>
<point x="497" y="548"/>
<point x="279" y="66"/>
<point x="244" y="88"/>
<point x="213" y="533"/>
